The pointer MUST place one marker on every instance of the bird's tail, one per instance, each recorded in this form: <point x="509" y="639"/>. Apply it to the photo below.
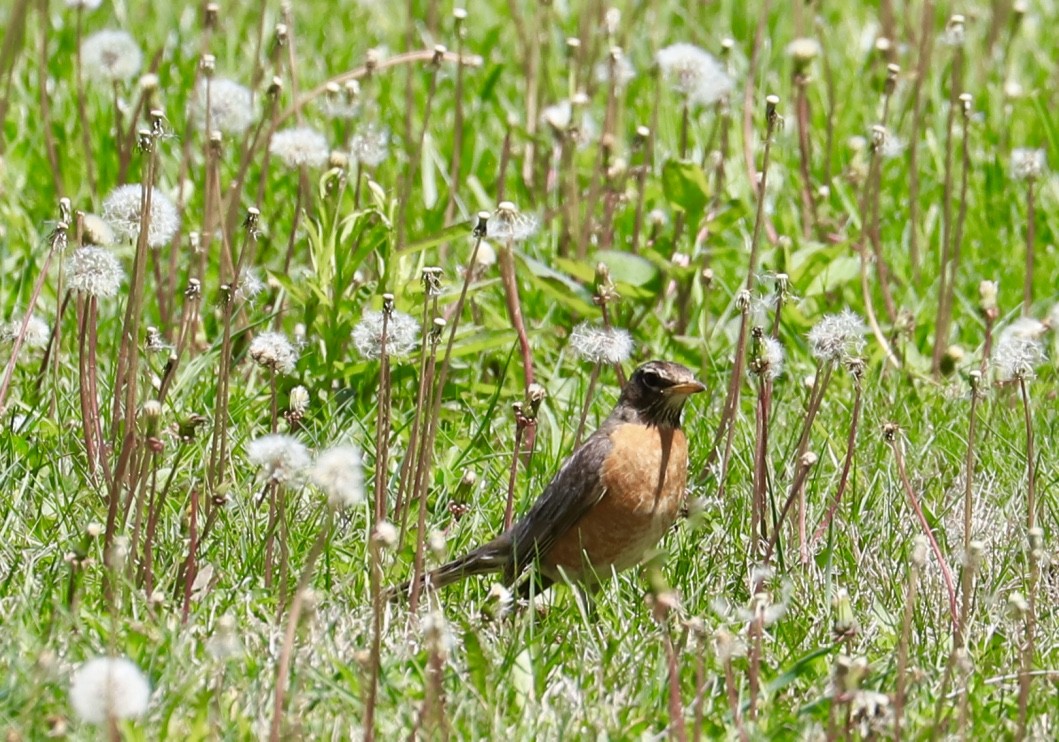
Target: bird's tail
<point x="492" y="557"/>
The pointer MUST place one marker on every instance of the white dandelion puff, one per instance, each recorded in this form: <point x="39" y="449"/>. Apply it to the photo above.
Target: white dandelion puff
<point x="1028" y="164"/>
<point x="95" y="271"/>
<point x="108" y="688"/>
<point x="695" y="73"/>
<point x="370" y="145"/>
<point x="300" y="146"/>
<point x="37" y="332"/>
<point x="274" y="351"/>
<point x="618" y="70"/>
<point x="280" y="458"/>
<point x="402" y="334"/>
<point x="338" y="472"/>
<point x="110" y="56"/>
<point x="508" y="223"/>
<point x="837" y="336"/>
<point x="122" y="210"/>
<point x="231" y="108"/>
<point x="1017" y="356"/>
<point x="601" y="344"/>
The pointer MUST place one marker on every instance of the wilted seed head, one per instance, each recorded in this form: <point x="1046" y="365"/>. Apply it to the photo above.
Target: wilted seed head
<point x="95" y="271"/>
<point x="508" y="223"/>
<point x="110" y="56"/>
<point x="109" y="688"/>
<point x="563" y="120"/>
<point x="844" y="622"/>
<point x="299" y="400"/>
<point x="1017" y="355"/>
<point x="438" y="636"/>
<point x="1028" y="164"/>
<point x="37" y="332"/>
<point x="769" y="360"/>
<point x="274" y="351"/>
<point x="370" y="145"/>
<point x="695" y="73"/>
<point x="281" y="458"/>
<point x="338" y="472"/>
<point x="601" y="344"/>
<point x="301" y="145"/>
<point x="402" y="334"/>
<point x="837" y="336"/>
<point x="122" y="211"/>
<point x="231" y="106"/>
<point x="954" y="34"/>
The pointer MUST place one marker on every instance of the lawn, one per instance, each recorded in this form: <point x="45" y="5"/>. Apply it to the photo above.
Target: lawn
<point x="301" y="300"/>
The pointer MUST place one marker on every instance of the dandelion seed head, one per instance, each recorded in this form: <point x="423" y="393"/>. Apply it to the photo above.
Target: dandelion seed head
<point x="250" y="286"/>
<point x="769" y="362"/>
<point x="274" y="351"/>
<point x="37" y="332"/>
<point x="508" y="223"/>
<point x="803" y="51"/>
<point x="838" y="336"/>
<point x="370" y="145"/>
<point x="341" y="102"/>
<point x="1028" y="164"/>
<point x="84" y="4"/>
<point x="560" y="118"/>
<point x="301" y="145"/>
<point x="1026" y="327"/>
<point x="231" y="106"/>
<point x="601" y="344"/>
<point x="95" y="271"/>
<point x="110" y="56"/>
<point x="618" y="70"/>
<point x="955" y="34"/>
<point x="695" y="73"/>
<point x="338" y="472"/>
<point x="122" y="211"/>
<point x="1016" y="355"/>
<point x="281" y="458"/>
<point x="107" y="688"/>
<point x="402" y="334"/>
<point x="385" y="534"/>
<point x="892" y="147"/>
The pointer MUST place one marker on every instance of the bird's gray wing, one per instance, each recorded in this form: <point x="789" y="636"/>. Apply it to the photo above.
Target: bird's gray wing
<point x="576" y="487"/>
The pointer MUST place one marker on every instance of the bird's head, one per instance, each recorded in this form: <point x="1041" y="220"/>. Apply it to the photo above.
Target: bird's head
<point x="657" y="391"/>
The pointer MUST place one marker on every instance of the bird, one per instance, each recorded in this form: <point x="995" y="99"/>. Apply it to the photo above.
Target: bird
<point x="609" y="503"/>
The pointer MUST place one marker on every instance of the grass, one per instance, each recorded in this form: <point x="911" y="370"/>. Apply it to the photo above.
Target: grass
<point x="753" y="652"/>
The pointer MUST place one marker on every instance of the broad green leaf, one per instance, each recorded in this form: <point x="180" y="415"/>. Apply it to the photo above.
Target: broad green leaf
<point x="686" y="188"/>
<point x="833" y="274"/>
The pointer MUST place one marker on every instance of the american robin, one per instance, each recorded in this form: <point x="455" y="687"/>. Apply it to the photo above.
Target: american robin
<point x="611" y="500"/>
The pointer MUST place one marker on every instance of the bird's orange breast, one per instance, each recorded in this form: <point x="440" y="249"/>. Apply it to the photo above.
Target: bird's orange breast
<point x="644" y="477"/>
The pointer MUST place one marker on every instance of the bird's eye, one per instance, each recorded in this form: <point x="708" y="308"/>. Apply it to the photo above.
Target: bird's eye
<point x="651" y="379"/>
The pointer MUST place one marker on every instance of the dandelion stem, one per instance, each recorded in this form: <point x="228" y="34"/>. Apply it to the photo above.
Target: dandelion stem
<point x="892" y="437"/>
<point x="297" y="605"/>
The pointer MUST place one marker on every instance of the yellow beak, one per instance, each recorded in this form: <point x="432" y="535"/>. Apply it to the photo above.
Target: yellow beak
<point x="688" y="387"/>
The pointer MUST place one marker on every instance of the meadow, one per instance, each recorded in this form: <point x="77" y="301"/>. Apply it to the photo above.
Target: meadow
<point x="299" y="300"/>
